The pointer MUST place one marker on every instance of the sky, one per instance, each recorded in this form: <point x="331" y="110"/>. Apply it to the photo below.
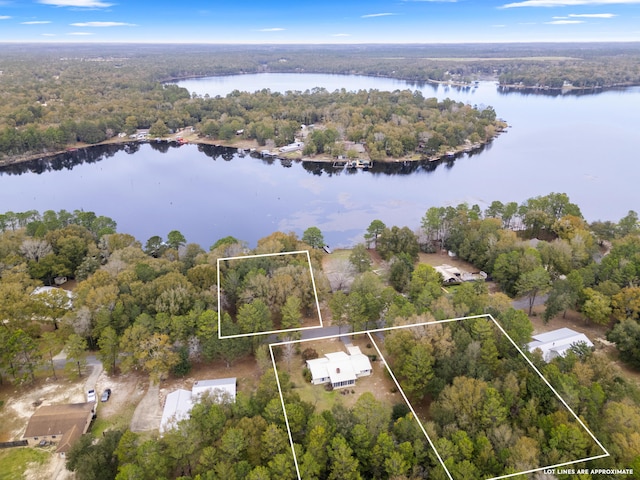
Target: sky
<point x="319" y="21"/>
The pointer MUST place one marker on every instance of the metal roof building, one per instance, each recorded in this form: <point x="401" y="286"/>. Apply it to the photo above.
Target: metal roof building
<point x="557" y="342"/>
<point x="178" y="404"/>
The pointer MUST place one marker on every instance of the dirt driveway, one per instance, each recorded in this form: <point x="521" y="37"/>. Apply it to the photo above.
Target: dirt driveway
<point x="148" y="413"/>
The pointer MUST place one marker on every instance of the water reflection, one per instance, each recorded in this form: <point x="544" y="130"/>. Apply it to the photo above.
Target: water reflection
<point x="557" y="92"/>
<point x="94" y="154"/>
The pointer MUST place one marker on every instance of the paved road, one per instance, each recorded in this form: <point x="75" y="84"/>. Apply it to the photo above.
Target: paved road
<point x="523" y="303"/>
<point x="93" y="365"/>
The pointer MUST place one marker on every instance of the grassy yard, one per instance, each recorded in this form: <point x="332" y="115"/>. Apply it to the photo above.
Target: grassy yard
<point x="15" y="461"/>
<point x="117" y="421"/>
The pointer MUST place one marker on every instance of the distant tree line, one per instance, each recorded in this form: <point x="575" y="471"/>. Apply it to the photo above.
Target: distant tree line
<point x="87" y="94"/>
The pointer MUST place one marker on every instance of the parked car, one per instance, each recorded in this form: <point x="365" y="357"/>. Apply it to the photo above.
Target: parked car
<point x="105" y="395"/>
<point x="91" y="395"/>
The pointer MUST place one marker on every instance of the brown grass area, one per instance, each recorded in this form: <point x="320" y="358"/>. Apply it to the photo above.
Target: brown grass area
<point x="245" y="370"/>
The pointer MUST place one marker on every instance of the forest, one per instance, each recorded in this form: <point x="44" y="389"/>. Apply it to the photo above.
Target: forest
<point x="56" y="96"/>
<point x="150" y="309"/>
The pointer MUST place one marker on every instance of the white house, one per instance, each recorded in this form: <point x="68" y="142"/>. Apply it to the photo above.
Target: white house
<point x="557" y="342"/>
<point x="178" y="404"/>
<point x="339" y="369"/>
<point x="292" y="147"/>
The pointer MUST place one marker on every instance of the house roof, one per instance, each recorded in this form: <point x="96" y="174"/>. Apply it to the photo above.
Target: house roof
<point x="448" y="272"/>
<point x="179" y="403"/>
<point x="338" y="366"/>
<point x="359" y="361"/>
<point x="318" y="367"/>
<point x="557" y="342"/>
<point x="220" y="386"/>
<point x="177" y="406"/>
<point x="68" y="439"/>
<point x="59" y="419"/>
<point x="341" y="371"/>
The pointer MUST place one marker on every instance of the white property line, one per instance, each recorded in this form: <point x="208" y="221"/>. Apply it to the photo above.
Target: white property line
<point x="413" y="412"/>
<point x="368" y="332"/>
<point x="284" y="411"/>
<point x="313" y="283"/>
<point x="606" y="452"/>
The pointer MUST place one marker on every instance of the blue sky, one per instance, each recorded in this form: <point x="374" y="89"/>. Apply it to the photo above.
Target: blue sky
<point x="324" y="21"/>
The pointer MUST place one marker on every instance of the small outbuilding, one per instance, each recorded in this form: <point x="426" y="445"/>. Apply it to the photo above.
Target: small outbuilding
<point x="557" y="342"/>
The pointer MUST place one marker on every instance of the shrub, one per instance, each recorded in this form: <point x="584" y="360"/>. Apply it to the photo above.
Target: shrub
<point x="309" y="354"/>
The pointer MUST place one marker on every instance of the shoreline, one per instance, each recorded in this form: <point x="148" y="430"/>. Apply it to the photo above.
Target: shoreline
<point x="253" y="147"/>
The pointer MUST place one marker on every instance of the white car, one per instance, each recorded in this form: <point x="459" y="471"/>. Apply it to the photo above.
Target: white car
<point x="91" y="395"/>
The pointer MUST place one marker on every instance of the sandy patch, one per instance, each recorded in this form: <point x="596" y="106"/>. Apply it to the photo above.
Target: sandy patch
<point x="21" y="404"/>
<point x="54" y="469"/>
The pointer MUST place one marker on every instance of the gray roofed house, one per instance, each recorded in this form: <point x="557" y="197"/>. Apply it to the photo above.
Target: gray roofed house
<point x="557" y="342"/>
<point x="218" y="387"/>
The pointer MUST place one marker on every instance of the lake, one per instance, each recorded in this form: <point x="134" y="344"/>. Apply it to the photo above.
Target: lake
<point x="584" y="145"/>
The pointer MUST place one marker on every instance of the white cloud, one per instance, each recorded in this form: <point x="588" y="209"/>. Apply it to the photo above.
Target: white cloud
<point x="593" y="15"/>
<point x="498" y="26"/>
<point x="372" y="15"/>
<point x="271" y="29"/>
<point x="48" y="34"/>
<point x="568" y="3"/>
<point x="103" y="24"/>
<point x="4" y="17"/>
<point x="36" y="22"/>
<point x="564" y="22"/>
<point x="77" y="3"/>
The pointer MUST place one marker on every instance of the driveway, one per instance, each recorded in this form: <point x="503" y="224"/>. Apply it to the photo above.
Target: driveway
<point x="148" y="413"/>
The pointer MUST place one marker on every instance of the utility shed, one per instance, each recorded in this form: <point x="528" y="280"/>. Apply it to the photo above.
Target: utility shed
<point x="557" y="342"/>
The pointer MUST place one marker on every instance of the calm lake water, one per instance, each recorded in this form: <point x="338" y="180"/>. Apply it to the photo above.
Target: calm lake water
<point x="584" y="145"/>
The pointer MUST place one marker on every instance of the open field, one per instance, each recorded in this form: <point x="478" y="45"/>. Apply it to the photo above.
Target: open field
<point x="15" y="461"/>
